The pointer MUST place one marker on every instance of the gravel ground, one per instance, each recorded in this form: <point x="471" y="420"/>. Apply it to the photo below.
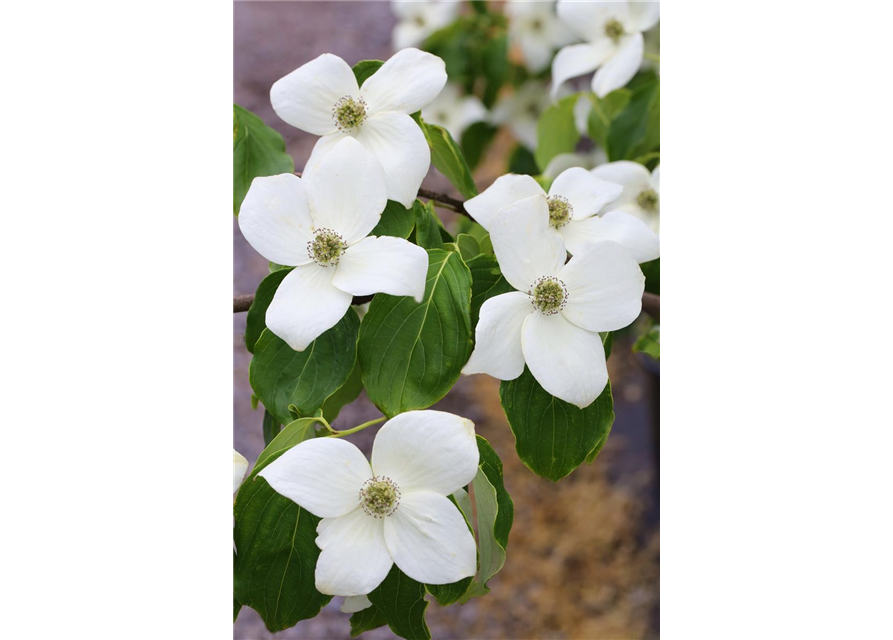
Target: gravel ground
<point x="583" y="554"/>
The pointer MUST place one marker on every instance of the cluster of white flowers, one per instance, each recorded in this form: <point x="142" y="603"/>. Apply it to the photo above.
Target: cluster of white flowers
<point x="418" y="19"/>
<point x="551" y="322"/>
<point x="370" y="151"/>
<point x="614" y="44"/>
<point x="396" y="511"/>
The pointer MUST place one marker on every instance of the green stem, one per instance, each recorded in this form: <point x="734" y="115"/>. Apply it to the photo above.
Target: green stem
<point x="347" y="432"/>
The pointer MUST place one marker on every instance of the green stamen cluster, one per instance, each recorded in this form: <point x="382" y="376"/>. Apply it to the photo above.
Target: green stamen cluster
<point x="380" y="497"/>
<point x="613" y="29"/>
<point x="349" y="113"/>
<point x="549" y="295"/>
<point x="648" y="200"/>
<point x="536" y="25"/>
<point x="326" y="248"/>
<point x="560" y="211"/>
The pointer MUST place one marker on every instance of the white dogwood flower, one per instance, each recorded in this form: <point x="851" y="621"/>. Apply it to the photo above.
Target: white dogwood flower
<point x="552" y="321"/>
<point x="578" y="209"/>
<point x="537" y="31"/>
<point x="641" y="189"/>
<point x="323" y="98"/>
<point x="454" y="112"/>
<point x="395" y="511"/>
<point x="521" y="110"/>
<point x="614" y="43"/>
<point x="240" y="468"/>
<point x="418" y="19"/>
<point x="319" y="226"/>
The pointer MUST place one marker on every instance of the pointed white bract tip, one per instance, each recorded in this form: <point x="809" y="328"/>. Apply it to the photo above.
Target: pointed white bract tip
<point x="352" y="604"/>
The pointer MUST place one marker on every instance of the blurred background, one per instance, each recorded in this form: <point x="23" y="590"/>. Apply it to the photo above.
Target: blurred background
<point x="583" y="554"/>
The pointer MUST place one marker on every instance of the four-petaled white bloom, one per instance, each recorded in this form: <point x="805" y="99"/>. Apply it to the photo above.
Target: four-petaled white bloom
<point x="319" y="226"/>
<point x="641" y="190"/>
<point x="521" y="111"/>
<point x="240" y="468"/>
<point x="537" y="31"/>
<point x="323" y="98"/>
<point x="418" y="19"/>
<point x="614" y="43"/>
<point x="454" y="112"/>
<point x="578" y="210"/>
<point x="552" y="321"/>
<point x="392" y="512"/>
<point x="564" y="161"/>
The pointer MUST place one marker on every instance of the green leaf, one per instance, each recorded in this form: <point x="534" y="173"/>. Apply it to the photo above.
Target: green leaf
<point x="427" y="226"/>
<point x="276" y="554"/>
<point x="603" y="112"/>
<point x="495" y="58"/>
<point x="294" y="432"/>
<point x="556" y="131"/>
<point x="281" y="376"/>
<point x="396" y="221"/>
<point x="237" y="606"/>
<point x="636" y="130"/>
<point x="258" y="150"/>
<point x="412" y="353"/>
<point x="402" y="601"/>
<point x="271" y="427"/>
<point x="553" y="437"/>
<point x="487" y="281"/>
<point x="468" y="246"/>
<point x="522" y="162"/>
<point x="345" y="394"/>
<point x="365" y="68"/>
<point x="475" y="140"/>
<point x="448" y="159"/>
<point x="652" y="276"/>
<point x="649" y="342"/>
<point x="495" y="512"/>
<point x="366" y="620"/>
<point x="257" y="312"/>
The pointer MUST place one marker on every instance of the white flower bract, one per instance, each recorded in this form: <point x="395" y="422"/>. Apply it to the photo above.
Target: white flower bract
<point x="418" y="19"/>
<point x="551" y="322"/>
<point x="537" y="31"/>
<point x="521" y="110"/>
<point x="394" y="511"/>
<point x="323" y="98"/>
<point x="580" y="209"/>
<point x="455" y="112"/>
<point x="641" y="190"/>
<point x="319" y="225"/>
<point x="614" y="45"/>
<point x="240" y="468"/>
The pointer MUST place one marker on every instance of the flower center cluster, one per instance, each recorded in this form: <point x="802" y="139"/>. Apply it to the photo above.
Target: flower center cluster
<point x="380" y="496"/>
<point x="536" y="25"/>
<point x="613" y="29"/>
<point x="549" y="295"/>
<point x="349" y="113"/>
<point x="326" y="248"/>
<point x="560" y="211"/>
<point x="648" y="200"/>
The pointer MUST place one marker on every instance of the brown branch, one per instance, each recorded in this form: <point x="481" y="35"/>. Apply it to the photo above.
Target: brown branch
<point x="445" y="201"/>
